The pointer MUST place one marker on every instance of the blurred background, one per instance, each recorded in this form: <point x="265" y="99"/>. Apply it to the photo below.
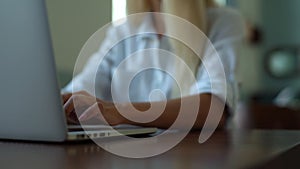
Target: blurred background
<point x="268" y="63"/>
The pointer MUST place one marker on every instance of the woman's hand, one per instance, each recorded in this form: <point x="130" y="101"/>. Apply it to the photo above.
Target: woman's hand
<point x="88" y="108"/>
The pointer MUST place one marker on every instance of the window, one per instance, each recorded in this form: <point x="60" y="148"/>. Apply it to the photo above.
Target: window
<point x="118" y="9"/>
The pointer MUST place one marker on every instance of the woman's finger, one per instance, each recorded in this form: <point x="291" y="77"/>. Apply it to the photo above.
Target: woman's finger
<point x="72" y="118"/>
<point x="89" y="113"/>
<point x="69" y="106"/>
<point x="66" y="97"/>
<point x="70" y="112"/>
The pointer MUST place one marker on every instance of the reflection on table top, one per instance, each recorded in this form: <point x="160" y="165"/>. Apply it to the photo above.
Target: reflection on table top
<point x="225" y="149"/>
<point x="288" y="159"/>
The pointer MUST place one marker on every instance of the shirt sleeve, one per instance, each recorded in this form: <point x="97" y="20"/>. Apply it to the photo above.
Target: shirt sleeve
<point x="225" y="35"/>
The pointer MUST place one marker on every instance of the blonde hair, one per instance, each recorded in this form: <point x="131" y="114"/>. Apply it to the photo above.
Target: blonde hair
<point x="137" y="6"/>
<point x="194" y="11"/>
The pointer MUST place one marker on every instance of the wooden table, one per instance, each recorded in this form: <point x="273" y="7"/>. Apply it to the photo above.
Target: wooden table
<point x="225" y="149"/>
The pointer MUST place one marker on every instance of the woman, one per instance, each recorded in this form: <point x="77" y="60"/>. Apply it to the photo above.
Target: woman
<point x="224" y="28"/>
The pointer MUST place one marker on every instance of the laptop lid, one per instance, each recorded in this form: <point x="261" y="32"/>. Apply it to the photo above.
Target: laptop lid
<point x="30" y="103"/>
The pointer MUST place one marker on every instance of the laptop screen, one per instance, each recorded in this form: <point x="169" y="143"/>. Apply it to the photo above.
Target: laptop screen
<point x="30" y="99"/>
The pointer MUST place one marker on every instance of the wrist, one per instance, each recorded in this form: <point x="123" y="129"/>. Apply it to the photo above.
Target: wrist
<point x="111" y="114"/>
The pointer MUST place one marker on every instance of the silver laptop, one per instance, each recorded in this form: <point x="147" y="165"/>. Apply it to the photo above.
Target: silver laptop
<point x="30" y="101"/>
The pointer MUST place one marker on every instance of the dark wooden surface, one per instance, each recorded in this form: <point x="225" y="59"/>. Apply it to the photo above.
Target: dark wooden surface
<point x="259" y="115"/>
<point x="287" y="159"/>
<point x="225" y="149"/>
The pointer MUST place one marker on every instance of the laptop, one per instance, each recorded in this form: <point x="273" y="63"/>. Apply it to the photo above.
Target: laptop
<point x="30" y="100"/>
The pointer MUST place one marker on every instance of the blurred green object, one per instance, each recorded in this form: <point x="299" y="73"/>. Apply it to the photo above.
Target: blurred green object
<point x="283" y="62"/>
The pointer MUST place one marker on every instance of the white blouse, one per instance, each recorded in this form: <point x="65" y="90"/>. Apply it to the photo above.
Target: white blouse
<point x="226" y="30"/>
